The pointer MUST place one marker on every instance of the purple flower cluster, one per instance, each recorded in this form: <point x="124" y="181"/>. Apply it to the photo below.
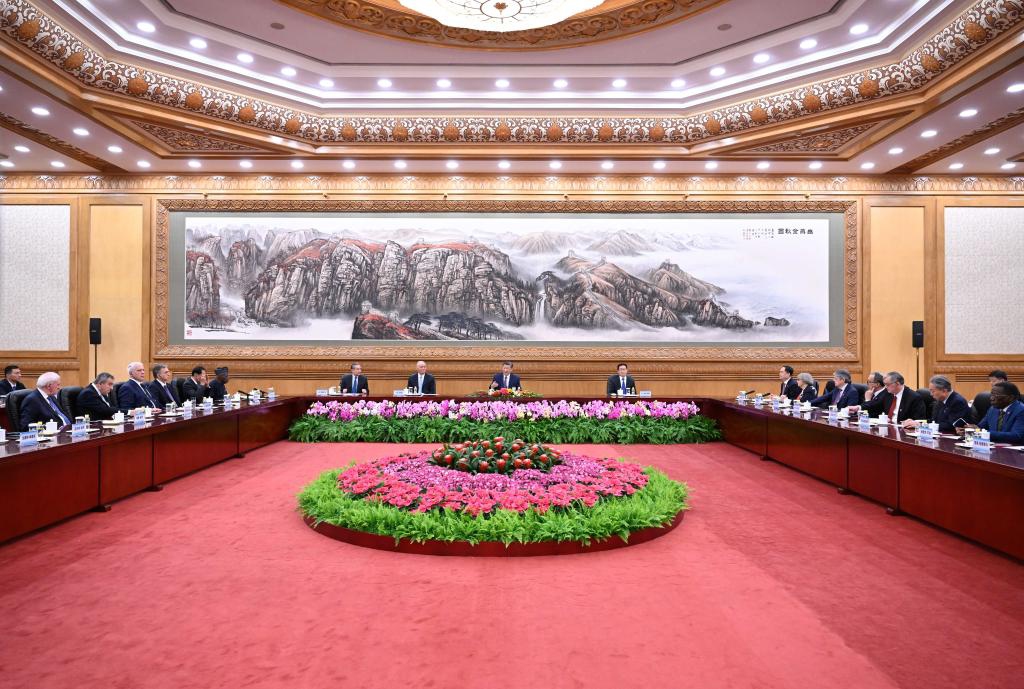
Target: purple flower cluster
<point x="412" y="483"/>
<point x="493" y="410"/>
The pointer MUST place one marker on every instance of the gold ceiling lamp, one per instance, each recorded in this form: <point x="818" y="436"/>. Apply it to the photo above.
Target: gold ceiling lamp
<point x="500" y="15"/>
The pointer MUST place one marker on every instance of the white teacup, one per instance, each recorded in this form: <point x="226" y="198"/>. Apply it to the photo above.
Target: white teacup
<point x="51" y="427"/>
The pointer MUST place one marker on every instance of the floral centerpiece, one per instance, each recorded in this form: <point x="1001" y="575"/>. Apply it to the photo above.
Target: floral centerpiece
<point x="505" y="393"/>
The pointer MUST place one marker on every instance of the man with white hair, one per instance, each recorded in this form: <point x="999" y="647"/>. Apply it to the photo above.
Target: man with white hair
<point x="421" y="381"/>
<point x="134" y="392"/>
<point x="42" y="404"/>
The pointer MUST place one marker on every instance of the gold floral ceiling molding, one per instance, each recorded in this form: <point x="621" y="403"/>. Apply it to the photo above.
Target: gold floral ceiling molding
<point x="184" y="141"/>
<point x="819" y="143"/>
<point x="394" y="21"/>
<point x="59" y="145"/>
<point x="980" y="25"/>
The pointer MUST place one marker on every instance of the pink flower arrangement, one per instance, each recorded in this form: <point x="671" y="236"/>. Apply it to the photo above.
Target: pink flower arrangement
<point x="412" y="482"/>
<point x="493" y="410"/>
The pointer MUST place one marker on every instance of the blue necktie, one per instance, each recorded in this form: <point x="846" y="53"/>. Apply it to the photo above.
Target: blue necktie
<point x="835" y="395"/>
<point x="355" y="384"/>
<point x="53" y="405"/>
<point x="623" y="386"/>
<point x="149" y="397"/>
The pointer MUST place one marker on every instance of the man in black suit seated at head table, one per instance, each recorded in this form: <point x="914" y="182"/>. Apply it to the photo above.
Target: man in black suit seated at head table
<point x="218" y="388"/>
<point x="875" y="386"/>
<point x="12" y="380"/>
<point x="950" y="409"/>
<point x="94" y="399"/>
<point x="195" y="385"/>
<point x="621" y="383"/>
<point x="42" y="404"/>
<point x="421" y="381"/>
<point x="842" y="395"/>
<point x="354" y="383"/>
<point x="505" y="379"/>
<point x="897" y="401"/>
<point x="788" y="386"/>
<point x="161" y="387"/>
<point x="134" y="392"/>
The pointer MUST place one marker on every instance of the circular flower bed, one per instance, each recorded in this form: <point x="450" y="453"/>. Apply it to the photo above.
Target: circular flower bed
<point x="413" y="499"/>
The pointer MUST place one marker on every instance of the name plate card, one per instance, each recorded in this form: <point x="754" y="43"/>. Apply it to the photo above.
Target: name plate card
<point x="322" y="392"/>
<point x="79" y="430"/>
<point x="139" y="417"/>
<point x="208" y="405"/>
<point x="29" y="438"/>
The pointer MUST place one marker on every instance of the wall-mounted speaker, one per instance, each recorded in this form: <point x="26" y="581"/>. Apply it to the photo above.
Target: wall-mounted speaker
<point x="917" y="334"/>
<point x="95" y="331"/>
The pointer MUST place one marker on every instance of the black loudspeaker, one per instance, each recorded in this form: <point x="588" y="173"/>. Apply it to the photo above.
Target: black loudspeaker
<point x="917" y="334"/>
<point x="95" y="331"/>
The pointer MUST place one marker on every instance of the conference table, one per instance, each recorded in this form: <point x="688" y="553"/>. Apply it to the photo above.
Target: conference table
<point x="976" y="495"/>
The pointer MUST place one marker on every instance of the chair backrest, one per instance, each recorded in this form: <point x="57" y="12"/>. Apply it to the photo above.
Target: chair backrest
<point x="929" y="401"/>
<point x="14" y="401"/>
<point x="862" y="389"/>
<point x="117" y="388"/>
<point x="179" y="387"/>
<point x="982" y="401"/>
<point x="69" y="399"/>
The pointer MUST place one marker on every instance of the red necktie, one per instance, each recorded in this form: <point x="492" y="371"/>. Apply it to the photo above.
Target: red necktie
<point x="892" y="407"/>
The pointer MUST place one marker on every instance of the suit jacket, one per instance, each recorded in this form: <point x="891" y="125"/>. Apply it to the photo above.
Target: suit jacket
<point x="132" y="394"/>
<point x="429" y="385"/>
<point x="362" y="384"/>
<point x="789" y="389"/>
<point x="513" y="380"/>
<point x="163" y="396"/>
<point x="808" y="394"/>
<point x="849" y="397"/>
<point x="1013" y="424"/>
<point x="217" y="390"/>
<point x="193" y="390"/>
<point x="35" y="408"/>
<point x="615" y="384"/>
<point x="6" y="388"/>
<point x="948" y="413"/>
<point x="912" y="405"/>
<point x="92" y="403"/>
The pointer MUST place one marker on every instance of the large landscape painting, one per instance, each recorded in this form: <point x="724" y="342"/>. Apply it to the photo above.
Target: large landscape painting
<point x="556" y="278"/>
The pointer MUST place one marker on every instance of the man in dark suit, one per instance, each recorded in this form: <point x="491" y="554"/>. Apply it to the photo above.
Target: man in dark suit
<point x="842" y="395"/>
<point x="421" y="381"/>
<point x="94" y="399"/>
<point x="950" y="410"/>
<point x="218" y="388"/>
<point x="12" y="380"/>
<point x="1005" y="418"/>
<point x="42" y="405"/>
<point x="134" y="392"/>
<point x="621" y="383"/>
<point x="506" y="379"/>
<point x="195" y="385"/>
<point x="787" y="383"/>
<point x="875" y="386"/>
<point x="160" y="388"/>
<point x="354" y="383"/>
<point x="897" y="401"/>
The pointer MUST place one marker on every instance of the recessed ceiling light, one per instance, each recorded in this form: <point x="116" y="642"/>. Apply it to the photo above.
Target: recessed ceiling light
<point x="717" y="71"/>
<point x="710" y="165"/>
<point x="867" y="166"/>
<point x="194" y="164"/>
<point x="80" y="131"/>
<point x="815" y="165"/>
<point x="288" y="71"/>
<point x="400" y="164"/>
<point x="1015" y="88"/>
<point x="384" y="83"/>
<point x="501" y="83"/>
<point x="928" y="133"/>
<point x="504" y="164"/>
<point x="555" y="165"/>
<point x="762" y="58"/>
<point x="560" y="83"/>
<point x="56" y="163"/>
<point x="724" y="27"/>
<point x="6" y="163"/>
<point x="327" y="83"/>
<point x="22" y="149"/>
<point x="245" y="57"/>
<point x="808" y="44"/>
<point x="991" y="151"/>
<point x="619" y="83"/>
<point x="659" y="164"/>
<point x="276" y="26"/>
<point x="145" y="27"/>
<point x="348" y="164"/>
<point x="607" y="165"/>
<point x="895" y="151"/>
<point x="42" y="112"/>
<point x="443" y="83"/>
<point x="969" y="112"/>
<point x="198" y="43"/>
<point x="245" y="163"/>
<point x="143" y="163"/>
<point x="115" y="149"/>
<point x="955" y="166"/>
<point x="858" y="29"/>
<point x="1008" y="166"/>
<point x="297" y="165"/>
<point x="452" y="165"/>
<point x="764" y="165"/>
<point x="678" y="83"/>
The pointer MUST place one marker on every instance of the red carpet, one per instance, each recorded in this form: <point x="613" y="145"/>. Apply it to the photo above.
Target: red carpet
<point x="773" y="580"/>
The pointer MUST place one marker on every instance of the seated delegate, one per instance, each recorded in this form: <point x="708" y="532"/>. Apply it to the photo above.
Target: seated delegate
<point x="842" y="395"/>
